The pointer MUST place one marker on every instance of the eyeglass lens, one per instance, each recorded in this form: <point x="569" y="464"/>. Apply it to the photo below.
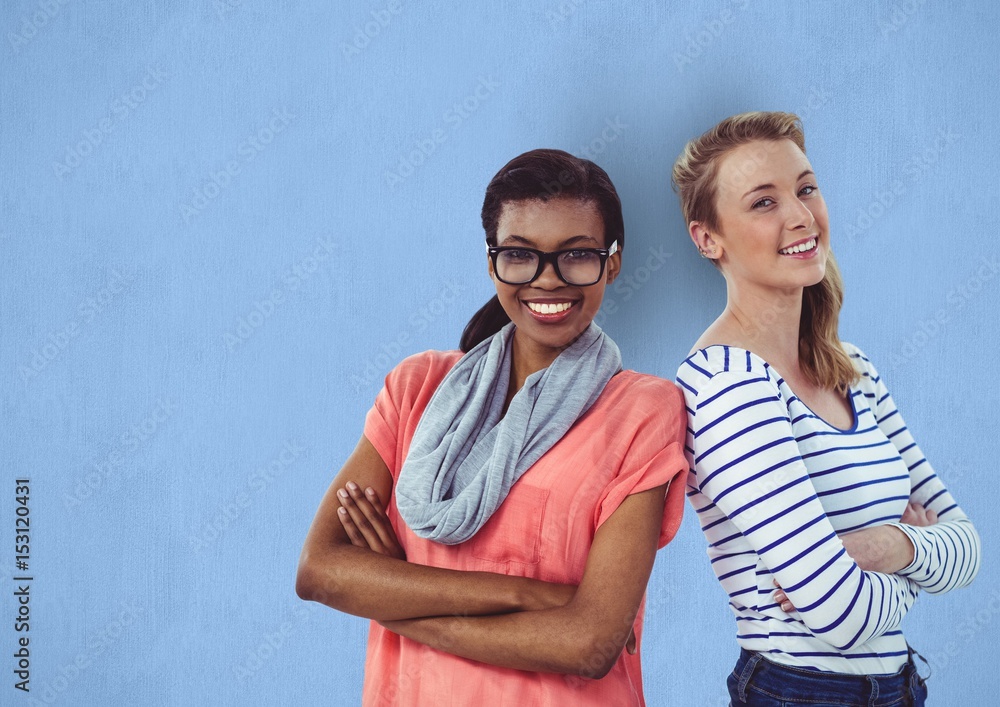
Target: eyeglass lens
<point x="577" y="267"/>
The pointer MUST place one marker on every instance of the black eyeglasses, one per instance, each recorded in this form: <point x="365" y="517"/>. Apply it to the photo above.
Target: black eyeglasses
<point x="578" y="267"/>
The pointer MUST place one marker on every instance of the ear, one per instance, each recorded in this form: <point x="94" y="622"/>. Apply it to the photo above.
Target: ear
<point x="614" y="266"/>
<point x="705" y="240"/>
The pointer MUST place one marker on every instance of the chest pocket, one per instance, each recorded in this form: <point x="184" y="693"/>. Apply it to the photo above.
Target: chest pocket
<point x="513" y="534"/>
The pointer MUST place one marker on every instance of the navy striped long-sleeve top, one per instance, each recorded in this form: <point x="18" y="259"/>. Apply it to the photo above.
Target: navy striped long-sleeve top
<point x="773" y="485"/>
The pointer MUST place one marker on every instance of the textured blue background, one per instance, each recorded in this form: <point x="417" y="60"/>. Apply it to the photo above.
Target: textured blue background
<point x="223" y="222"/>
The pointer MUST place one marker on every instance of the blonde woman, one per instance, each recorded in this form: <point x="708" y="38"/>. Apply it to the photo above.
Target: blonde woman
<point x="824" y="520"/>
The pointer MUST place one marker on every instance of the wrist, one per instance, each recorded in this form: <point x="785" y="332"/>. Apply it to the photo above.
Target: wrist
<point x="904" y="550"/>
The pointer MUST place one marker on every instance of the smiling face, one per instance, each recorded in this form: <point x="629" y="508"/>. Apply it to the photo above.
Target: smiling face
<point x="548" y="313"/>
<point x="773" y="229"/>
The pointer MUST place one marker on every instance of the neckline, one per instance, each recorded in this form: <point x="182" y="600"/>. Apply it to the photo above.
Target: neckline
<point x="850" y="391"/>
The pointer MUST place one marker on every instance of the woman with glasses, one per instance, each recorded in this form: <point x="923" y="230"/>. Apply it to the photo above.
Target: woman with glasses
<point x="824" y="520"/>
<point x="499" y="518"/>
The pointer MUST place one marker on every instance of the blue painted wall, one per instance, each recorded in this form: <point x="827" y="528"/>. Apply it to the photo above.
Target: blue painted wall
<point x="222" y="222"/>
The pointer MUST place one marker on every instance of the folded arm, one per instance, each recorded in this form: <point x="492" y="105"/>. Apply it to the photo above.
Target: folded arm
<point x="946" y="553"/>
<point x="748" y="463"/>
<point x="586" y="636"/>
<point x="377" y="586"/>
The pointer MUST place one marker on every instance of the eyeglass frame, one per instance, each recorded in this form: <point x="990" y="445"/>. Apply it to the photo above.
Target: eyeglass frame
<point x="544" y="257"/>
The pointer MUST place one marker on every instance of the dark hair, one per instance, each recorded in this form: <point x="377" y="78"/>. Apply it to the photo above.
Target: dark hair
<point x="542" y="175"/>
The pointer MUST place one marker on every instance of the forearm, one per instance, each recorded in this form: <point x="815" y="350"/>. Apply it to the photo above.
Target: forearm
<point x="359" y="581"/>
<point x="364" y="583"/>
<point x="938" y="557"/>
<point x="564" y="640"/>
<point x="586" y="635"/>
<point x="947" y="555"/>
<point x="884" y="548"/>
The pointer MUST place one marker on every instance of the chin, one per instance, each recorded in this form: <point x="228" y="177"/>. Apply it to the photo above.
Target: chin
<point x="816" y="280"/>
<point x="556" y="337"/>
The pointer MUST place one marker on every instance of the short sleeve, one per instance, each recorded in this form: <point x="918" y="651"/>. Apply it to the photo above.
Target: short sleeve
<point x="654" y="457"/>
<point x="382" y="422"/>
<point x="393" y="418"/>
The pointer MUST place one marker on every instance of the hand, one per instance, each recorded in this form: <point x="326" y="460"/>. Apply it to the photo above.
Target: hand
<point x="782" y="599"/>
<point x="917" y="515"/>
<point x="363" y="517"/>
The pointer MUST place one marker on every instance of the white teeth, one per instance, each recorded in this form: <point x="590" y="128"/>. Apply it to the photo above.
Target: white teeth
<point x="546" y="308"/>
<point x="801" y="248"/>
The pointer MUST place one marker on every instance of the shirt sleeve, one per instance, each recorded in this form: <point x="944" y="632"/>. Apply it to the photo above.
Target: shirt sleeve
<point x="946" y="555"/>
<point x="407" y="385"/>
<point x="382" y="424"/>
<point x="654" y="457"/>
<point x="747" y="462"/>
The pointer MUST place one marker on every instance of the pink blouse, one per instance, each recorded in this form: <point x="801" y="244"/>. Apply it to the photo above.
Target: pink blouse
<point x="631" y="440"/>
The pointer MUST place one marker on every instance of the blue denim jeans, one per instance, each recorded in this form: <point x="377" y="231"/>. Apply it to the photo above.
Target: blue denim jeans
<point x="759" y="682"/>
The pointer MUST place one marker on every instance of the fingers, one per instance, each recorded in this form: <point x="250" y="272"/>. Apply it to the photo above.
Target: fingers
<point x="630" y="643"/>
<point x="352" y="530"/>
<point x="375" y="501"/>
<point x="915" y="514"/>
<point x="360" y="520"/>
<point x="386" y="532"/>
<point x="367" y="514"/>
<point x="371" y="506"/>
<point x="781" y="599"/>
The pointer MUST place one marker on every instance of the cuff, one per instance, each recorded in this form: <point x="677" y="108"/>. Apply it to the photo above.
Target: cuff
<point x="919" y="553"/>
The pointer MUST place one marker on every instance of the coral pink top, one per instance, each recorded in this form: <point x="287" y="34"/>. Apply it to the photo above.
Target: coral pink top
<point x="630" y="440"/>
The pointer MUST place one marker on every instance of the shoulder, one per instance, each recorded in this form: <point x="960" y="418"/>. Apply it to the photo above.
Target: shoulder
<point x="862" y="364"/>
<point x="721" y="366"/>
<point x="645" y="392"/>
<point x="426" y="368"/>
<point x="644" y="386"/>
<point x="638" y="402"/>
<point x="427" y="362"/>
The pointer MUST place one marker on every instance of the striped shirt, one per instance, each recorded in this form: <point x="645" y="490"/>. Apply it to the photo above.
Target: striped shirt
<point x="773" y="485"/>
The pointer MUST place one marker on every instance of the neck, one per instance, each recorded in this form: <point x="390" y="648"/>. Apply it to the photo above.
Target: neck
<point x="768" y="321"/>
<point x="527" y="357"/>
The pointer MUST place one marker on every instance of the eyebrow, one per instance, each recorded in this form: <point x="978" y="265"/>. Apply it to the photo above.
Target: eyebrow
<point x="562" y="244"/>
<point x="771" y="186"/>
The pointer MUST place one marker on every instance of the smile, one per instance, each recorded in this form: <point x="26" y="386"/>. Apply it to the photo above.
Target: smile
<point x="549" y="307"/>
<point x="803" y="247"/>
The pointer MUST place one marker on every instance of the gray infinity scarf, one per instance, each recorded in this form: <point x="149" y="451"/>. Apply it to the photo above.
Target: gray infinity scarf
<point x="465" y="457"/>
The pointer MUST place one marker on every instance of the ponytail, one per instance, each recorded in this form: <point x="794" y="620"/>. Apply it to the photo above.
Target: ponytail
<point x="490" y="319"/>
<point x="821" y="355"/>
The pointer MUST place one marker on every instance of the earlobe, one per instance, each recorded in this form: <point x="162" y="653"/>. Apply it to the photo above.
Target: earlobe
<point x="704" y="241"/>
<point x="614" y="267"/>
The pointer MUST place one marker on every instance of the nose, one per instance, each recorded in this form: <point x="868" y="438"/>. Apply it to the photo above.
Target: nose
<point x="799" y="216"/>
<point x="548" y="280"/>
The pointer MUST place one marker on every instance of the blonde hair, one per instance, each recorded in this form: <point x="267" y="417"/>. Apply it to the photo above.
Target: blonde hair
<point x="695" y="179"/>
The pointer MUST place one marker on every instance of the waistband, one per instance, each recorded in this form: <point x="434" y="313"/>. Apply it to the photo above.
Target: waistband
<point x="836" y="688"/>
